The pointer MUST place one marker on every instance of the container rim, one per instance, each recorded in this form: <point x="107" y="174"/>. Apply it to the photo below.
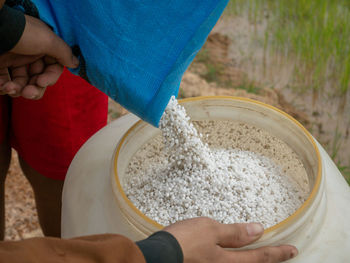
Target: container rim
<point x="277" y="226"/>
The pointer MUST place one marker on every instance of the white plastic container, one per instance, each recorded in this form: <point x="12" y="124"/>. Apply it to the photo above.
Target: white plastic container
<point x="305" y="222"/>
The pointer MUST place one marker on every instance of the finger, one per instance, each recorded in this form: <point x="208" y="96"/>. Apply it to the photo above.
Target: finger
<point x="4" y="77"/>
<point x="6" y="85"/>
<point x="45" y="42"/>
<point x="49" y="60"/>
<point x="238" y="235"/>
<point x="33" y="92"/>
<point x="20" y="75"/>
<point x="50" y="75"/>
<point x="37" y="67"/>
<point x="39" y="83"/>
<point x="262" y="255"/>
<point x="19" y="80"/>
<point x="14" y="60"/>
<point x="12" y="89"/>
<point x="59" y="50"/>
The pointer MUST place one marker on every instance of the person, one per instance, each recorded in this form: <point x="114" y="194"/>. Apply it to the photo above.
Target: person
<point x="32" y="58"/>
<point x="45" y="130"/>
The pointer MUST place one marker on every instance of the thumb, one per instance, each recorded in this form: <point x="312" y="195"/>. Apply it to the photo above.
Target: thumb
<point x="239" y="235"/>
<point x="39" y="39"/>
<point x="63" y="54"/>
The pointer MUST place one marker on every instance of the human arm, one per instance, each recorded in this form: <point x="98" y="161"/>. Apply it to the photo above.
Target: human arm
<point x="90" y="249"/>
<point x="195" y="240"/>
<point x="32" y="58"/>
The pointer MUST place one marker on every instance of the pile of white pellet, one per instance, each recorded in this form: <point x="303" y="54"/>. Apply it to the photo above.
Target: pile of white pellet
<point x="184" y="178"/>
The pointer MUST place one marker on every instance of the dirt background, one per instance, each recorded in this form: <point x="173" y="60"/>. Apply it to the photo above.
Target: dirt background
<point x="20" y="212"/>
<point x="220" y="70"/>
<point x="326" y="109"/>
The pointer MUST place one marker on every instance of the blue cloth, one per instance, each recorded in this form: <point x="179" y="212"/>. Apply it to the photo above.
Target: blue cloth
<point x="136" y="51"/>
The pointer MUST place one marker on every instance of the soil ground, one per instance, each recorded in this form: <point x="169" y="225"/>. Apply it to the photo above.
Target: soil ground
<point x="326" y="109"/>
<point x="21" y="216"/>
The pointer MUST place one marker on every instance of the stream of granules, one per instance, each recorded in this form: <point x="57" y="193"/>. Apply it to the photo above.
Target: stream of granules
<point x="183" y="178"/>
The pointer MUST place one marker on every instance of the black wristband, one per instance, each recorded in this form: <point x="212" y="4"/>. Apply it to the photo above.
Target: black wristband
<point x="12" y="23"/>
<point x="161" y="247"/>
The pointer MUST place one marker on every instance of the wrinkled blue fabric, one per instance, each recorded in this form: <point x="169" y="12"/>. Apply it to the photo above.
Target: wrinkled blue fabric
<point x="135" y="51"/>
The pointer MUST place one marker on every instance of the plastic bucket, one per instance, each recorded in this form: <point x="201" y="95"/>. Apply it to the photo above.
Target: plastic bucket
<point x="298" y="229"/>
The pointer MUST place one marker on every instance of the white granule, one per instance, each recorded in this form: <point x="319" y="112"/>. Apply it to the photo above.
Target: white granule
<point x="184" y="178"/>
<point x="185" y="149"/>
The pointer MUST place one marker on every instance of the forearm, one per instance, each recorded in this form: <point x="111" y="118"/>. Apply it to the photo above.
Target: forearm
<point x="161" y="247"/>
<point x="91" y="249"/>
<point x="12" y="23"/>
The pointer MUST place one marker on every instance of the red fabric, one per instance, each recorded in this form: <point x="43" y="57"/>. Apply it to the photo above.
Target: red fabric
<point x="48" y="132"/>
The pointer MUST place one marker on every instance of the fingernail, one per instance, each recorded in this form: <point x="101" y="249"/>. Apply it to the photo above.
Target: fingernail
<point x="254" y="229"/>
<point x="294" y="253"/>
<point x="30" y="96"/>
<point x="75" y="61"/>
<point x="33" y="96"/>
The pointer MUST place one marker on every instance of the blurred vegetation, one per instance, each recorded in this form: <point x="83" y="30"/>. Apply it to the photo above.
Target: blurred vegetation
<point x="249" y="87"/>
<point x="314" y="33"/>
<point x="315" y="36"/>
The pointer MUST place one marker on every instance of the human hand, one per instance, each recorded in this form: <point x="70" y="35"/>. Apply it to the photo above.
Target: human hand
<point x="35" y="62"/>
<point x="203" y="240"/>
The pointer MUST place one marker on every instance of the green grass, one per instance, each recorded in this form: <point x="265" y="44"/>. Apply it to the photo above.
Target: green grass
<point x="249" y="86"/>
<point x="335" y="145"/>
<point x="203" y="56"/>
<point x="181" y="94"/>
<point x="345" y="170"/>
<point x="213" y="73"/>
<point x="334" y="150"/>
<point x="115" y="115"/>
<point x="315" y="33"/>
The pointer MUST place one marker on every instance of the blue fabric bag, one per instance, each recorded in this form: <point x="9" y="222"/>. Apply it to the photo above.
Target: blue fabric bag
<point x="135" y="51"/>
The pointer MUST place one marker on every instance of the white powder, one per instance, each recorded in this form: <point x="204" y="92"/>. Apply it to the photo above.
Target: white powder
<point x="184" y="178"/>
